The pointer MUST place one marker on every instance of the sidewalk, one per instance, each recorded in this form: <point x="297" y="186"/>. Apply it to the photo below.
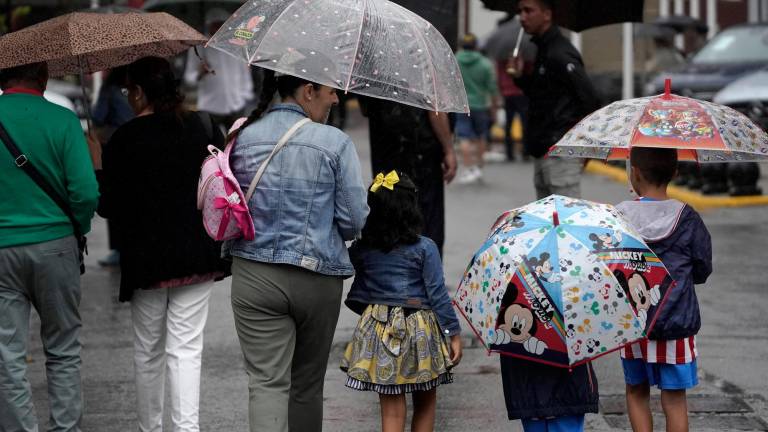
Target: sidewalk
<point x="733" y="342"/>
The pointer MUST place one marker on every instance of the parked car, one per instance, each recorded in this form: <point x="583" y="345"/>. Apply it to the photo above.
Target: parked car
<point x="735" y="52"/>
<point x="749" y="95"/>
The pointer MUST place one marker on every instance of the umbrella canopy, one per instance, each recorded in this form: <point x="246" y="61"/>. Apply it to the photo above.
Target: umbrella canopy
<point x="681" y="23"/>
<point x="562" y="281"/>
<point x="580" y="15"/>
<point x="84" y="42"/>
<point x="375" y="48"/>
<point x="501" y="43"/>
<point x="701" y="131"/>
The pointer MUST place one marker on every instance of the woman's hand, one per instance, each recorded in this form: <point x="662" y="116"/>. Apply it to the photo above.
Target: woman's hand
<point x="94" y="147"/>
<point x="456" y="350"/>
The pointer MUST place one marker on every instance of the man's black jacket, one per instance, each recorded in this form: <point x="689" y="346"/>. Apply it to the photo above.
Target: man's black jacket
<point x="559" y="91"/>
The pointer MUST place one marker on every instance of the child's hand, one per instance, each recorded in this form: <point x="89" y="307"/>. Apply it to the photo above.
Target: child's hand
<point x="456" y="349"/>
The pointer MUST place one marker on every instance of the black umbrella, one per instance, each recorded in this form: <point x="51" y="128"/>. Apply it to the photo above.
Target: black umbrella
<point x="681" y="23"/>
<point x="579" y="15"/>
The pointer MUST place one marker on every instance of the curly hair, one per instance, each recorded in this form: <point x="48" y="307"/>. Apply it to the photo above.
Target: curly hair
<point x="395" y="218"/>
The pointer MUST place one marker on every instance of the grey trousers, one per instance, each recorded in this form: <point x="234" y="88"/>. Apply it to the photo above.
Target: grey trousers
<point x="285" y="317"/>
<point x="554" y="175"/>
<point x="47" y="276"/>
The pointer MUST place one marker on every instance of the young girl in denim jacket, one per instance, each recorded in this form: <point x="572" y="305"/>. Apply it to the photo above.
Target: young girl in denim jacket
<point x="407" y="339"/>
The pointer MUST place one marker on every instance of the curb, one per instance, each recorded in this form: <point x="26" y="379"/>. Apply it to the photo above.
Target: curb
<point x="695" y="199"/>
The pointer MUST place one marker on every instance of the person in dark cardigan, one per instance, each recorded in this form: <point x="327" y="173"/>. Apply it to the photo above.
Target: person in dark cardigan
<point x="148" y="185"/>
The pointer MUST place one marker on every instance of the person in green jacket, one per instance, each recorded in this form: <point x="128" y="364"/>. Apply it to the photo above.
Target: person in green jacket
<point x="482" y="94"/>
<point x="39" y="255"/>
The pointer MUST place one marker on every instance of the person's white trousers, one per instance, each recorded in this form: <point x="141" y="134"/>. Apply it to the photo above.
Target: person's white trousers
<point x="168" y="335"/>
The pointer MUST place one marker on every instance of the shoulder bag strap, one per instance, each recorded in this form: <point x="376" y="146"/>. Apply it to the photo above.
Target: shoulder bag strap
<point x="22" y="162"/>
<point x="280" y="144"/>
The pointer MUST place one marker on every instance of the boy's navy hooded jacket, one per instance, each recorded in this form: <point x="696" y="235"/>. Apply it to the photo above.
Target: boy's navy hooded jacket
<point x="535" y="390"/>
<point x="676" y="233"/>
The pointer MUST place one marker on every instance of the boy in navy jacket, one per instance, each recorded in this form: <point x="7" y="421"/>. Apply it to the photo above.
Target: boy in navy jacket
<point x="678" y="236"/>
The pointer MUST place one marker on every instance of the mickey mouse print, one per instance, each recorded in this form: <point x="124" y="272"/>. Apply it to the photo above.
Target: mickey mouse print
<point x="562" y="281"/>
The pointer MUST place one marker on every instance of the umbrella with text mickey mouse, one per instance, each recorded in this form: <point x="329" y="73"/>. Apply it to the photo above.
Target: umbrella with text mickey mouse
<point x="561" y="281"/>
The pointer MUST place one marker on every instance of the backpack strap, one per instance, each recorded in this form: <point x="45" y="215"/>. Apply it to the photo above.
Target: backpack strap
<point x="280" y="144"/>
<point x="207" y="121"/>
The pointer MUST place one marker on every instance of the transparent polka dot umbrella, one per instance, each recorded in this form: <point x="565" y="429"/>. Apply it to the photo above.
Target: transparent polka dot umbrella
<point x="370" y="47"/>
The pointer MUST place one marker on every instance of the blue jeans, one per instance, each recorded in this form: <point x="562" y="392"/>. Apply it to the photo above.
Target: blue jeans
<point x="558" y="424"/>
<point x="474" y="125"/>
<point x="47" y="276"/>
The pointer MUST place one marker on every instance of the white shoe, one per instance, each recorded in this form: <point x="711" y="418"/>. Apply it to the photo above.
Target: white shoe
<point x="492" y="156"/>
<point x="477" y="173"/>
<point x="469" y="176"/>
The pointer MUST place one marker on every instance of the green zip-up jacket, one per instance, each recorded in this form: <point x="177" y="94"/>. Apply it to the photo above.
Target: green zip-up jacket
<point x="52" y="139"/>
<point x="479" y="79"/>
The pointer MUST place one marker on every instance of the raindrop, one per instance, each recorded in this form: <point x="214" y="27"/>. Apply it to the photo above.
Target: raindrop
<point x="349" y="34"/>
<point x="274" y="61"/>
<point x="295" y="15"/>
<point x="397" y="73"/>
<point x="325" y="69"/>
<point x="420" y="50"/>
<point x="304" y="33"/>
<point x="304" y="70"/>
<point x="258" y="57"/>
<point x="394" y="93"/>
<point x="335" y="47"/>
<point x="367" y="85"/>
<point x="312" y="52"/>
<point x="415" y="66"/>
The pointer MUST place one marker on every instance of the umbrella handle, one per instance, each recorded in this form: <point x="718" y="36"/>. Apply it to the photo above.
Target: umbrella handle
<point x="516" y="51"/>
<point x="87" y="103"/>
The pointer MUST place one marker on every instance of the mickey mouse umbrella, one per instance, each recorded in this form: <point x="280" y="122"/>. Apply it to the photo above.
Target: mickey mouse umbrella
<point x="561" y="281"/>
<point x="700" y="131"/>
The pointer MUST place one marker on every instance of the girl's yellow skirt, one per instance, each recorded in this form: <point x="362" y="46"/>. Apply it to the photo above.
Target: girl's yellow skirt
<point x="396" y="351"/>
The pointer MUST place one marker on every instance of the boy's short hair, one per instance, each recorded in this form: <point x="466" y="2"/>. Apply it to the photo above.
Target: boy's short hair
<point x="657" y="165"/>
<point x="547" y="4"/>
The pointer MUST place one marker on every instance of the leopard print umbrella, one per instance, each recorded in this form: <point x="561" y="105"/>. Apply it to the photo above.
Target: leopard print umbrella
<point x="84" y="42"/>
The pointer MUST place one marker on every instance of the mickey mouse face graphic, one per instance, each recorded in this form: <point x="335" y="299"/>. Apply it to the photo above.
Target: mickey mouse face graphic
<point x="518" y="323"/>
<point x="605" y="241"/>
<point x="638" y="291"/>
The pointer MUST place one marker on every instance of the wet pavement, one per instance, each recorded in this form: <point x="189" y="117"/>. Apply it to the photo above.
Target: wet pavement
<point x="732" y="344"/>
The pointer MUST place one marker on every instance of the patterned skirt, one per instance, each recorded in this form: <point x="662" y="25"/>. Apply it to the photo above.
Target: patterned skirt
<point x="396" y="351"/>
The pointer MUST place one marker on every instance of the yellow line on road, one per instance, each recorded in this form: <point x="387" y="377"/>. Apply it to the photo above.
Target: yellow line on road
<point x="695" y="199"/>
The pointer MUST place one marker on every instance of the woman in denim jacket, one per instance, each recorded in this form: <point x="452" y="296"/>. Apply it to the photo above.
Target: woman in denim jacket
<point x="407" y="338"/>
<point x="287" y="282"/>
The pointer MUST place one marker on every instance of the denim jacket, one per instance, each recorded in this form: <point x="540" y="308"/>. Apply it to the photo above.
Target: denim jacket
<point x="310" y="199"/>
<point x="410" y="276"/>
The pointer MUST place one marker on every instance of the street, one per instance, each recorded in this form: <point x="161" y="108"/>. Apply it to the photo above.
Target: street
<point x="733" y="342"/>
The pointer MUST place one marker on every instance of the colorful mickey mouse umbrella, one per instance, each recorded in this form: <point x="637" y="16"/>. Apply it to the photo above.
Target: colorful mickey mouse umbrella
<point x="562" y="281"/>
<point x="701" y="131"/>
<point x="375" y="48"/>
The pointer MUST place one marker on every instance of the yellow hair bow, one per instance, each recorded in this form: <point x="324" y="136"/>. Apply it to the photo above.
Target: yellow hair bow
<point x="389" y="181"/>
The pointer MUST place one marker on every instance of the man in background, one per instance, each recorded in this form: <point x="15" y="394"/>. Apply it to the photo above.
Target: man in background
<point x="224" y="83"/>
<point x="559" y="93"/>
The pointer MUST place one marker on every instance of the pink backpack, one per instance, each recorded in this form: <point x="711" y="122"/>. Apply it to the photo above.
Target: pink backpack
<point x="219" y="196"/>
